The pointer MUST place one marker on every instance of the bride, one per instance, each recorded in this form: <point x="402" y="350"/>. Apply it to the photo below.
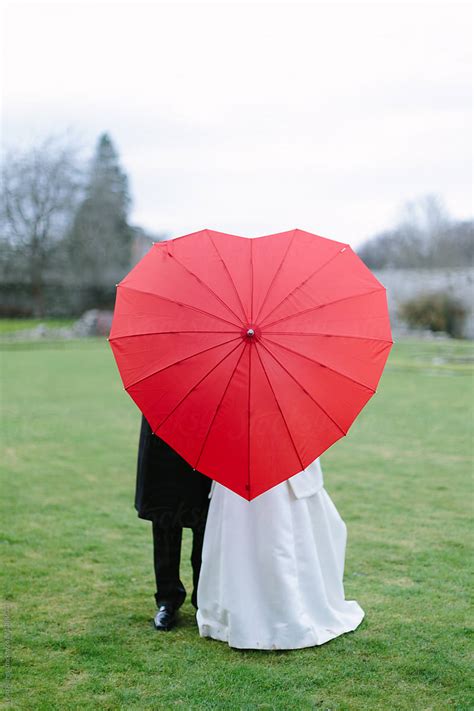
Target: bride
<point x="272" y="568"/>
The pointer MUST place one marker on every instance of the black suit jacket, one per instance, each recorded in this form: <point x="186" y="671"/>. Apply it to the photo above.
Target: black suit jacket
<point x="168" y="490"/>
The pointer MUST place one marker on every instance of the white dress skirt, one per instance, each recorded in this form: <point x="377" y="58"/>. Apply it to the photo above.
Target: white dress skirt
<point x="272" y="568"/>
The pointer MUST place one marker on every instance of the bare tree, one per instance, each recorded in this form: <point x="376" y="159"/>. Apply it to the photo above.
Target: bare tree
<point x="424" y="237"/>
<point x="422" y="225"/>
<point x="39" y="191"/>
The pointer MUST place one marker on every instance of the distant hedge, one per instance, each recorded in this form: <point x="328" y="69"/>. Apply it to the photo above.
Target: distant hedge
<point x="436" y="311"/>
<point x="17" y="300"/>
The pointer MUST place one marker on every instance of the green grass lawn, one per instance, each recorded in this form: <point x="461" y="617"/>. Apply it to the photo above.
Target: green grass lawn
<point x="77" y="562"/>
<point x="12" y="325"/>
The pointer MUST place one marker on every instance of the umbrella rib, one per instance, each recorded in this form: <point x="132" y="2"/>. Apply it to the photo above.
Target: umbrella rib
<point x="290" y="242"/>
<point x="316" y="271"/>
<point x="248" y="422"/>
<point x="228" y="274"/>
<point x="162" y="333"/>
<point x="217" y="410"/>
<point x="201" y="282"/>
<point x="281" y="411"/>
<point x="179" y="303"/>
<point x="323" y="365"/>
<point x="321" y="306"/>
<point x="251" y="281"/>
<point x="195" y="386"/>
<point x="327" y="335"/>
<point x="155" y="372"/>
<point x="304" y="390"/>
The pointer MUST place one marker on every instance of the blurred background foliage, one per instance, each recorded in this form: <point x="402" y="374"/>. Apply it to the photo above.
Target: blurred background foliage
<point x="67" y="239"/>
<point x="65" y="231"/>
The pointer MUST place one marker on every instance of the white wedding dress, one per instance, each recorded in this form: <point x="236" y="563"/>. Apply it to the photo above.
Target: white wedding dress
<point x="272" y="568"/>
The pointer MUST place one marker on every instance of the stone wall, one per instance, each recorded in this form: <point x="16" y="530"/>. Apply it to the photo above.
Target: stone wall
<point x="403" y="284"/>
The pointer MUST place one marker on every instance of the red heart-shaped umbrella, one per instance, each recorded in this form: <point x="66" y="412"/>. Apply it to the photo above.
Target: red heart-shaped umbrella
<point x="250" y="357"/>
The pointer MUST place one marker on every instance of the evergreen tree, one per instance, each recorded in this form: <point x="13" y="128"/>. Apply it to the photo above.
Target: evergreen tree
<point x="100" y="241"/>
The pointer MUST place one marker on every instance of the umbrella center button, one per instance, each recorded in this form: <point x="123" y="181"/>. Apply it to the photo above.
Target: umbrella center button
<point x="251" y="333"/>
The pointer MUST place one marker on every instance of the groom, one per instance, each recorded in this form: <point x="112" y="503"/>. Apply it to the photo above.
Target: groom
<point x="173" y="496"/>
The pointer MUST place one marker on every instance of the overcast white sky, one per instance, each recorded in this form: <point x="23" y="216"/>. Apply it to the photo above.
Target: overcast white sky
<point x="253" y="118"/>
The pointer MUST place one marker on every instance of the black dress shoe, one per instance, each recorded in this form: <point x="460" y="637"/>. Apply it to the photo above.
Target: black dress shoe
<point x="165" y="618"/>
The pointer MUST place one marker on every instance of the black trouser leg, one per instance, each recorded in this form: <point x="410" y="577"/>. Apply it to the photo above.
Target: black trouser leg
<point x="196" y="557"/>
<point x="166" y="557"/>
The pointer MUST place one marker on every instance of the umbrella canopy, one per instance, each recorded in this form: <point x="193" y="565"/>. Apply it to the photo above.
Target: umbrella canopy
<point x="250" y="357"/>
